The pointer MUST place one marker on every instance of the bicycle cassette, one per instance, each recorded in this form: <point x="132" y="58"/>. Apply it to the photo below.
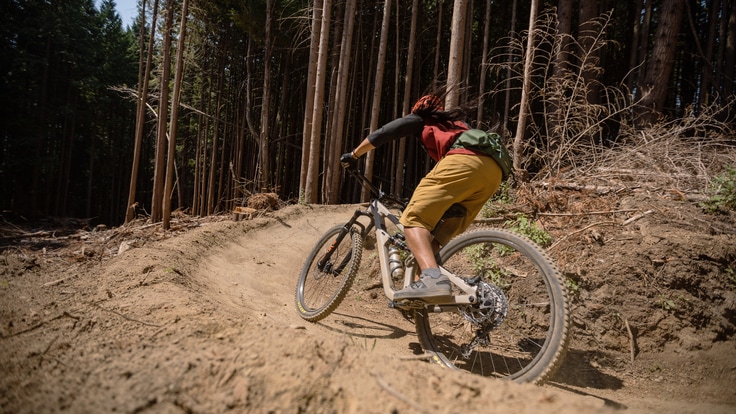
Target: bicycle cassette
<point x="490" y="309"/>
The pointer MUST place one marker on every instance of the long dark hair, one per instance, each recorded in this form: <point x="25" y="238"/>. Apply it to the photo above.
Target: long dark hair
<point x="431" y="105"/>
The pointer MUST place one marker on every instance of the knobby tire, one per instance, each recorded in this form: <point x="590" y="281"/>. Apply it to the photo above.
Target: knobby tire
<point x="531" y="342"/>
<point x="318" y="292"/>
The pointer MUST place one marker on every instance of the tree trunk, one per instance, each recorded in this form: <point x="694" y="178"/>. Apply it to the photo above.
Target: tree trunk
<point x="564" y="31"/>
<point x="309" y="101"/>
<point x="178" y="74"/>
<point x="556" y="111"/>
<point x="331" y="143"/>
<point x="457" y="47"/>
<point x="395" y="112"/>
<point x="467" y="55"/>
<point x="406" y="105"/>
<point x="634" y="44"/>
<point x="588" y="11"/>
<point x="249" y="90"/>
<point x="263" y="147"/>
<point x="144" y="74"/>
<point x="509" y="64"/>
<point x="163" y="107"/>
<point x="211" y="188"/>
<point x="377" y="89"/>
<point x="526" y="87"/>
<point x="484" y="65"/>
<point x="343" y="74"/>
<point x="643" y="47"/>
<point x="730" y="55"/>
<point x="283" y="149"/>
<point x="706" y="86"/>
<point x="438" y="46"/>
<point x="311" y="187"/>
<point x="659" y="67"/>
<point x="65" y="154"/>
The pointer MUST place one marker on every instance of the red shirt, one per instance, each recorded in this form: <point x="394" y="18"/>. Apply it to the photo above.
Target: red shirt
<point x="436" y="137"/>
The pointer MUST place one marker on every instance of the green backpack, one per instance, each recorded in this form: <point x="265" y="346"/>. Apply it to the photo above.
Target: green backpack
<point x="488" y="143"/>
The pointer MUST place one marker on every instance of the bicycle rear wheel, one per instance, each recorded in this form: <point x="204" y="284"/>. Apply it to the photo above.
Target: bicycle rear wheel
<point x="524" y="340"/>
<point x="328" y="273"/>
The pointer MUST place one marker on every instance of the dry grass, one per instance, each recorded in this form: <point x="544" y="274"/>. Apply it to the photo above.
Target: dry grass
<point x="597" y="144"/>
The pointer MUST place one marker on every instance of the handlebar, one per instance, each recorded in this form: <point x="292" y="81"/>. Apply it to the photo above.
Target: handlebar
<point x="375" y="190"/>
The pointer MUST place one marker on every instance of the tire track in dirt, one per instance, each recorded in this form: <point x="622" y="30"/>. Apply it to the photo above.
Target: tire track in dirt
<point x="258" y="270"/>
<point x="254" y="276"/>
<point x="256" y="273"/>
<point x="203" y="321"/>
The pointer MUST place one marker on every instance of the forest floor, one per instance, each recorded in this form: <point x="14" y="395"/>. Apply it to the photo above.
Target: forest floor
<point x="201" y="318"/>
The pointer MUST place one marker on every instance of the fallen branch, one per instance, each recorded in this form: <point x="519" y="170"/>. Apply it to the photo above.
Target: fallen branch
<point x="42" y="323"/>
<point x="589" y="213"/>
<point x="377" y="284"/>
<point x="567" y="236"/>
<point x="597" y="189"/>
<point x="54" y="282"/>
<point x="640" y="172"/>
<point x="27" y="235"/>
<point x="43" y="355"/>
<point x="632" y="341"/>
<point x="601" y="223"/>
<point x="637" y="217"/>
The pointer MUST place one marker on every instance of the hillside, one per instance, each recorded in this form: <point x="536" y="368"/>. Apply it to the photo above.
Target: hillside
<point x="201" y="319"/>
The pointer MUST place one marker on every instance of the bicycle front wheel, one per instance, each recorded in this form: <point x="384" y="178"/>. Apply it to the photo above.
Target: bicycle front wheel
<point x="328" y="273"/>
<point x="523" y="335"/>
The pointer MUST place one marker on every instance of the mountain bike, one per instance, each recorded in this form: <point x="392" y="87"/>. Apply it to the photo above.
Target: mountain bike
<point x="508" y="315"/>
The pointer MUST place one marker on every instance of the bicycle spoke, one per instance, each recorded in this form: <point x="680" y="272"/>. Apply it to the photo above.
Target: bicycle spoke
<point x="523" y="340"/>
<point x="328" y="273"/>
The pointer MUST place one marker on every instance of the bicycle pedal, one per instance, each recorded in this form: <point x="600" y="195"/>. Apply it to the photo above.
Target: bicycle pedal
<point x="407" y="304"/>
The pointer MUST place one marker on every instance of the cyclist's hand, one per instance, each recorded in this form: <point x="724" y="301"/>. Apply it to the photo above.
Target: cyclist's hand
<point x="347" y="160"/>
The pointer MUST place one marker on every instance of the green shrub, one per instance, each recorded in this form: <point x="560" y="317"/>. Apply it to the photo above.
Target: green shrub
<point x="524" y="226"/>
<point x="484" y="264"/>
<point x="722" y="191"/>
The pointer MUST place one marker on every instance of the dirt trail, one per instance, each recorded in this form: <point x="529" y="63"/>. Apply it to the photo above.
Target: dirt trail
<point x="204" y="322"/>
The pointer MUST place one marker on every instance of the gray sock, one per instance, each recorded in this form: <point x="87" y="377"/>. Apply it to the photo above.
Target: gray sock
<point x="433" y="272"/>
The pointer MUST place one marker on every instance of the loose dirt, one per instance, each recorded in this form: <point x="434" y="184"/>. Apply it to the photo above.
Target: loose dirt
<point x="201" y="318"/>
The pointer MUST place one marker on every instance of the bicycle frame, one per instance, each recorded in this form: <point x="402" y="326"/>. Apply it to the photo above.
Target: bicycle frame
<point x="379" y="213"/>
<point x="507" y="316"/>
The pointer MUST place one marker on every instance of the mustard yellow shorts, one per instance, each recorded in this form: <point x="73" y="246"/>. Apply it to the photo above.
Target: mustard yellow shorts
<point x="469" y="180"/>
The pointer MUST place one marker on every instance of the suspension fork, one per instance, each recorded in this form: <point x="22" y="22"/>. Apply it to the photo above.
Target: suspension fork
<point x="324" y="263"/>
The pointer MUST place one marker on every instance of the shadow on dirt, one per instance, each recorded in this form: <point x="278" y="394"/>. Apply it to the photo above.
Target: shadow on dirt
<point x="356" y="326"/>
<point x="578" y="371"/>
<point x="606" y="401"/>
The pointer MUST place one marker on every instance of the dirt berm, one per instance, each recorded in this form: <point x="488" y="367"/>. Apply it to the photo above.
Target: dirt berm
<point x="201" y="319"/>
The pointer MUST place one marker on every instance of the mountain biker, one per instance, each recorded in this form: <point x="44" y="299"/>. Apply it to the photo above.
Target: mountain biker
<point x="461" y="175"/>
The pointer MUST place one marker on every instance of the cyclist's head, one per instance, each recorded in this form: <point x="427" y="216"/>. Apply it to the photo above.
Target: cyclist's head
<point x="428" y="104"/>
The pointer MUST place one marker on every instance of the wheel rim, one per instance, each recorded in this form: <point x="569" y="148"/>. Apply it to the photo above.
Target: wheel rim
<point x="519" y="348"/>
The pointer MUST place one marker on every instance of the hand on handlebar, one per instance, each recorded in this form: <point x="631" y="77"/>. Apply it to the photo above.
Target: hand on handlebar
<point x="347" y="161"/>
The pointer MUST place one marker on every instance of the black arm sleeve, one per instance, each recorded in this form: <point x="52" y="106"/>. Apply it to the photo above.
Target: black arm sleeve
<point x="411" y="124"/>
